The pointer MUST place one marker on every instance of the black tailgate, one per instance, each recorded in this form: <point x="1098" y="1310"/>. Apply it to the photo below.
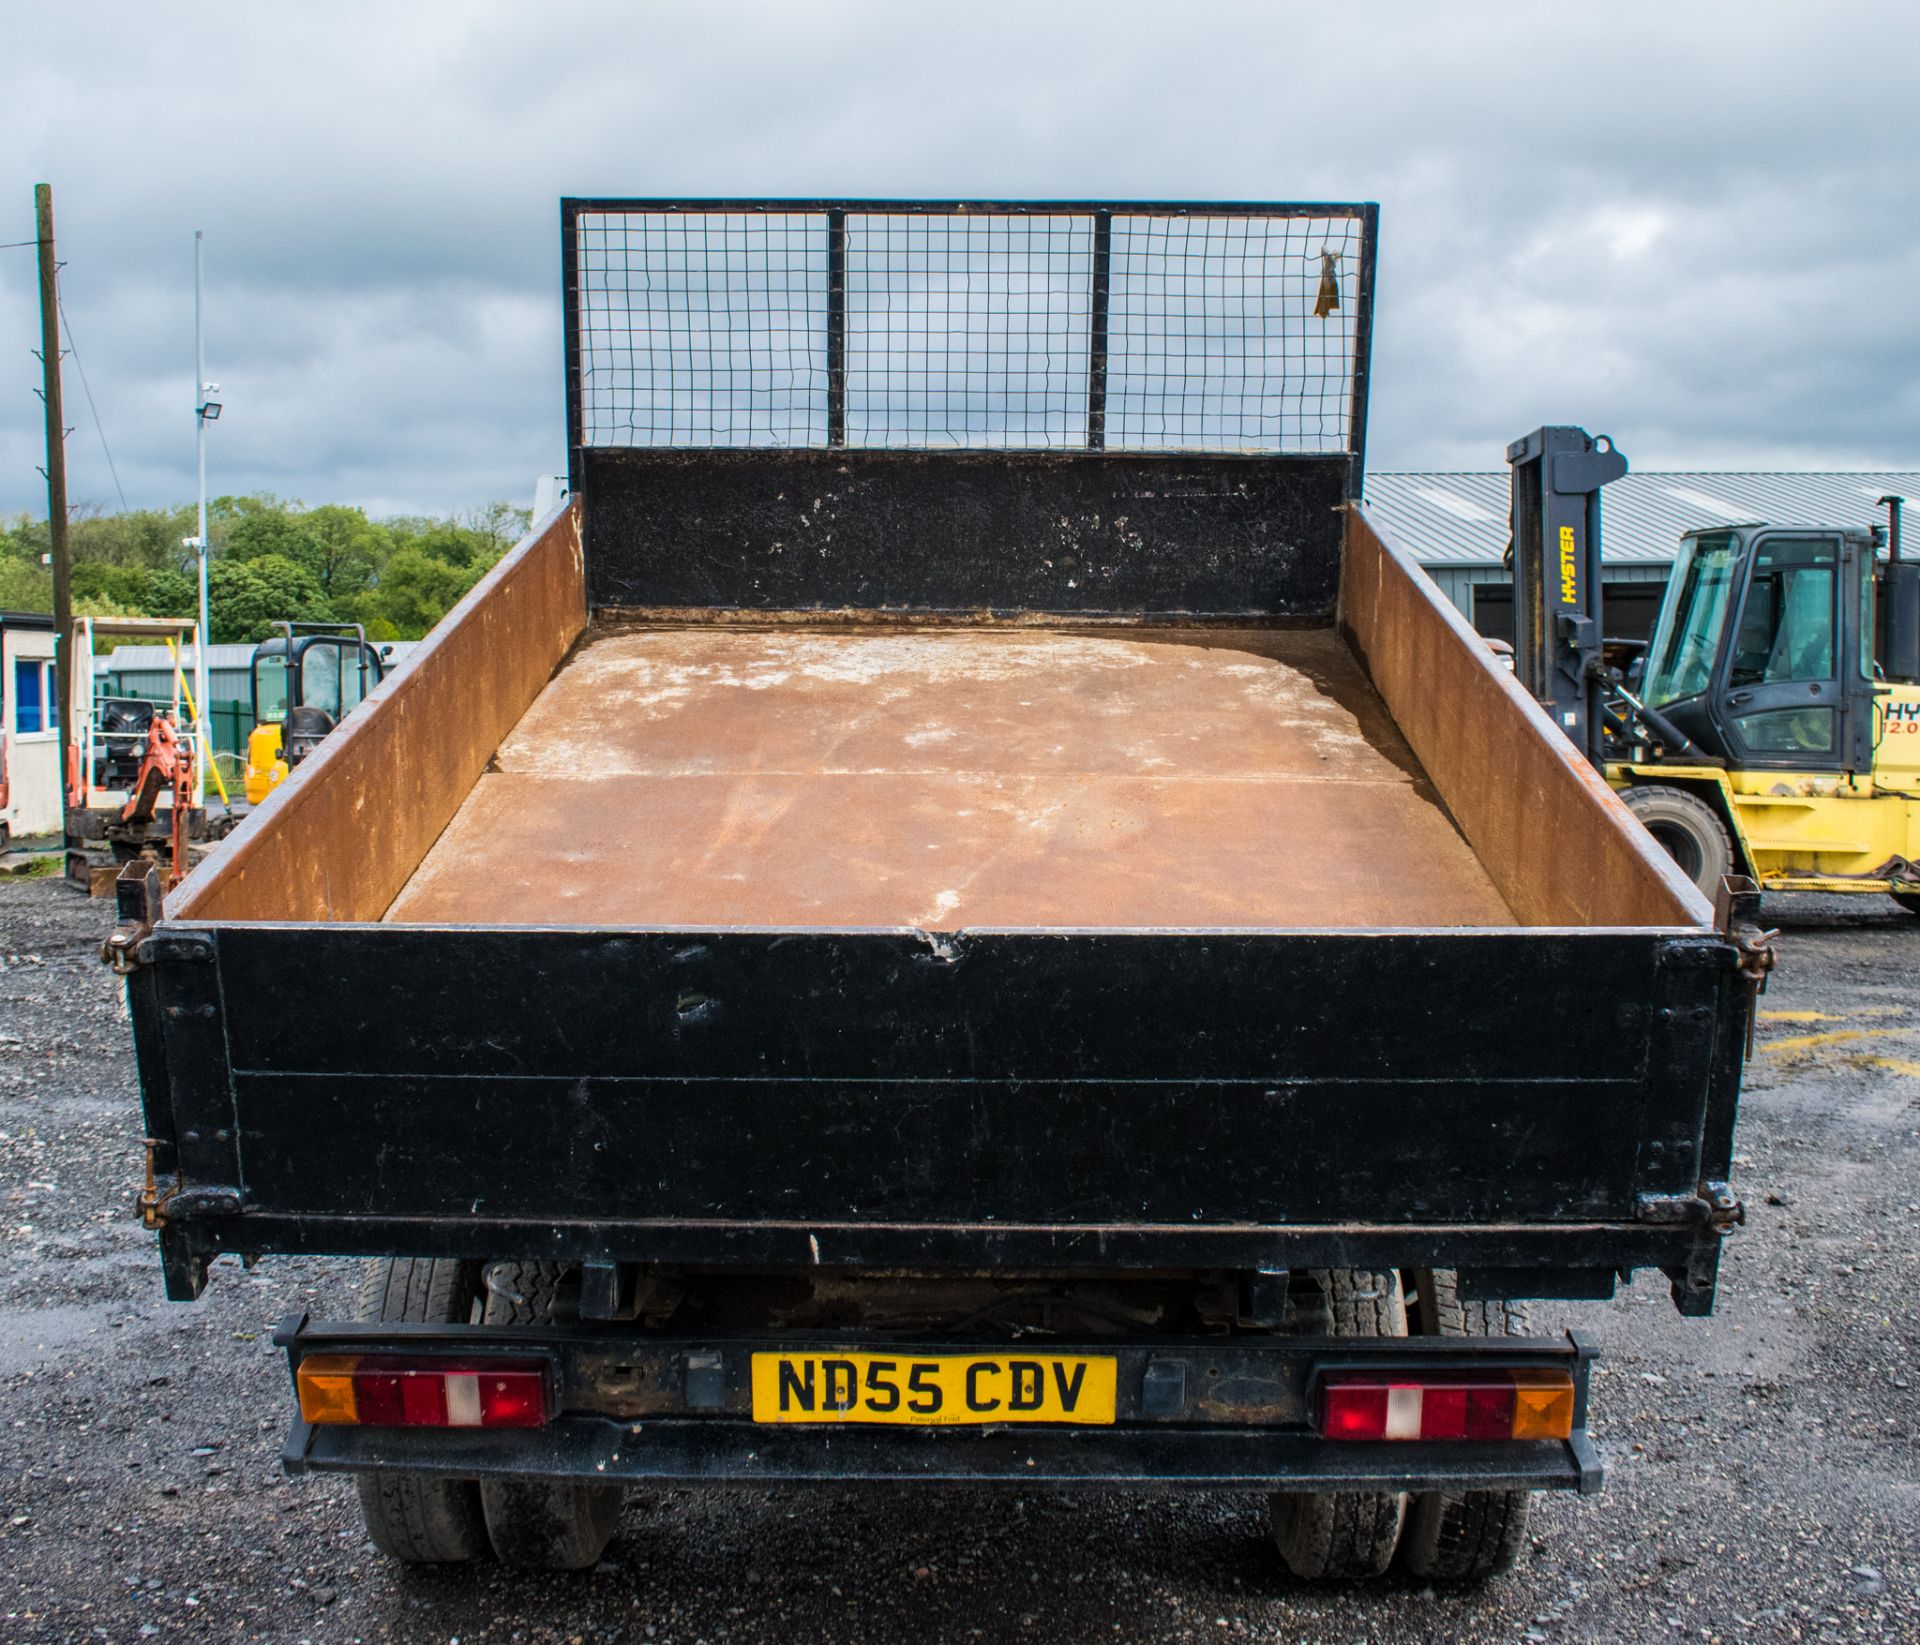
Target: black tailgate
<point x="1505" y="1100"/>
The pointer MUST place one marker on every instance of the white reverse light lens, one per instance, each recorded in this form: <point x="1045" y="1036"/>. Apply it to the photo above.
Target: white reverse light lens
<point x="1403" y="1413"/>
<point x="463" y="1402"/>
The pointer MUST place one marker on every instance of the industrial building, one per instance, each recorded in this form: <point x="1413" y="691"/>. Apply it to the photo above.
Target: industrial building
<point x="29" y="731"/>
<point x="1455" y="525"/>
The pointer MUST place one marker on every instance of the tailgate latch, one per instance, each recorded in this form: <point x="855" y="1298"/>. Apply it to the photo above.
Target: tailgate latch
<point x="136" y="897"/>
<point x="152" y="1201"/>
<point x="1736" y="910"/>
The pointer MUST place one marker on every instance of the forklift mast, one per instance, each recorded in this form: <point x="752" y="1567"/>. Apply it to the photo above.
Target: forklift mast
<point x="1555" y="558"/>
<point x="1897" y="636"/>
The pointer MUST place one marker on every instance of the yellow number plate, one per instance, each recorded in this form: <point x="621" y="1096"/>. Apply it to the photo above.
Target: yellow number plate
<point x="933" y="1389"/>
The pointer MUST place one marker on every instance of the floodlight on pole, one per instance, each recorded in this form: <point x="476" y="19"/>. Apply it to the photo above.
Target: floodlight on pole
<point x="205" y="410"/>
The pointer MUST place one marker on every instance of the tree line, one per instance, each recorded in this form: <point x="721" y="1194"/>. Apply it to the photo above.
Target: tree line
<point x="270" y="561"/>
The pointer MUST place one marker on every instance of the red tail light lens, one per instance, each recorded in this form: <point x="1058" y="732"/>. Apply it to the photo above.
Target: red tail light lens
<point x="396" y="1391"/>
<point x="1353" y="1410"/>
<point x="1525" y="1403"/>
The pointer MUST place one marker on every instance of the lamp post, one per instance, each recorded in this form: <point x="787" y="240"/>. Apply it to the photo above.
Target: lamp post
<point x="206" y="409"/>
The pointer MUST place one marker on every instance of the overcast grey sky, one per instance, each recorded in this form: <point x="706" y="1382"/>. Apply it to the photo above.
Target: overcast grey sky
<point x="1695" y="226"/>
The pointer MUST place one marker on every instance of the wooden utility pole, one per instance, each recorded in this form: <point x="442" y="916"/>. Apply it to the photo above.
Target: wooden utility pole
<point x="56" y="467"/>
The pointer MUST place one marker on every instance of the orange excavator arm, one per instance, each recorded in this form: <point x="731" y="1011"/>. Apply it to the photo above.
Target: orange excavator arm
<point x="168" y="764"/>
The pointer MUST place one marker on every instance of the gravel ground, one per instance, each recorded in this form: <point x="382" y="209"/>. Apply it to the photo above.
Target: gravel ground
<point x="1763" y="1477"/>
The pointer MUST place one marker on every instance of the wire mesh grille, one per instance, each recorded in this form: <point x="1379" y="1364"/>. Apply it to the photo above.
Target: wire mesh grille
<point x="1214" y="342"/>
<point x="703" y="329"/>
<point x="1142" y="330"/>
<point x="968" y="331"/>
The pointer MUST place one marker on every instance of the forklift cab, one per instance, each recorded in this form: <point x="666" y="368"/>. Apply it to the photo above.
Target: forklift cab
<point x="306" y="679"/>
<point x="1764" y="652"/>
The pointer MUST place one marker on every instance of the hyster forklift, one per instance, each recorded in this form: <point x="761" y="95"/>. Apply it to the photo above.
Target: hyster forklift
<point x="1772" y="727"/>
<point x="306" y="679"/>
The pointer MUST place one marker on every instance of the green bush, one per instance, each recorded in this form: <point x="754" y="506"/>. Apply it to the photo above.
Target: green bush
<point x="272" y="561"/>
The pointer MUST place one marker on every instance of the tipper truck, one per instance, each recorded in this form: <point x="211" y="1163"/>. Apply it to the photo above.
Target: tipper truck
<point x="955" y="914"/>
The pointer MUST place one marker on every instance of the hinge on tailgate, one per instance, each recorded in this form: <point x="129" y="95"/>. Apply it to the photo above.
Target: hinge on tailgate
<point x="1713" y="1205"/>
<point x="1736" y="911"/>
<point x="161" y="1197"/>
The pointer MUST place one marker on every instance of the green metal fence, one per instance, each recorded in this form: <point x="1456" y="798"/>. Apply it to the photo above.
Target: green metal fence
<point x="229" y="723"/>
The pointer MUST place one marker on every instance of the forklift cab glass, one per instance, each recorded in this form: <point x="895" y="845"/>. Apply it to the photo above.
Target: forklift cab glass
<point x="320" y="677"/>
<point x="269" y="690"/>
<point x="1686" y="638"/>
<point x="1787" y="638"/>
<point x="1786" y="626"/>
<point x="359" y="674"/>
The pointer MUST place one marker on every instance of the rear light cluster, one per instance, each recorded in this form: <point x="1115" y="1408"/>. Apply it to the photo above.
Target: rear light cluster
<point x="395" y="1391"/>
<point x="1521" y="1404"/>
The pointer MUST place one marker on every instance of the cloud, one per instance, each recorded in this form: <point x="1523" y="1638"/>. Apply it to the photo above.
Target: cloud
<point x="1683" y="225"/>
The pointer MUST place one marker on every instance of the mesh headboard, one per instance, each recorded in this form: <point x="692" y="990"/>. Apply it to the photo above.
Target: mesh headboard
<point x="1043" y="406"/>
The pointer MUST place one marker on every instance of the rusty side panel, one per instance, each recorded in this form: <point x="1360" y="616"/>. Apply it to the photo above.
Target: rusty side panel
<point x="340" y="837"/>
<point x="946" y="779"/>
<point x="1559" y="845"/>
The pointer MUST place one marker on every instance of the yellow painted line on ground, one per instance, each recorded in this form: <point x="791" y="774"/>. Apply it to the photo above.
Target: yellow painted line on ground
<point x="1798" y="1016"/>
<point x="1899" y="1065"/>
<point x="1836" y="1036"/>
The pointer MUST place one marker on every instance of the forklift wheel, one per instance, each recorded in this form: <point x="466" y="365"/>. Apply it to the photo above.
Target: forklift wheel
<point x="1689" y="831"/>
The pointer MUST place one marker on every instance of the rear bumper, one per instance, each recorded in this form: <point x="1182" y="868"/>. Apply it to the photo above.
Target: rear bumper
<point x="1204" y="1414"/>
<point x="728" y="1452"/>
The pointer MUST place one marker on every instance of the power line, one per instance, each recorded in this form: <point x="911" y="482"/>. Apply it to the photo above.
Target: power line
<point x="73" y="348"/>
<point x="9" y="245"/>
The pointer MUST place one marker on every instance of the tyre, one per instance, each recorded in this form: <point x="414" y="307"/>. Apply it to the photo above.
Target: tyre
<point x="562" y="1525"/>
<point x="1463" y="1536"/>
<point x="1689" y="831"/>
<point x="410" y="1517"/>
<point x="1342" y="1536"/>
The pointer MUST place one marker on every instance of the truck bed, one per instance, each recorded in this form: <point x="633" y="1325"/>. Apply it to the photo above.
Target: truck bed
<point x="1016" y="856"/>
<point x="1009" y="777"/>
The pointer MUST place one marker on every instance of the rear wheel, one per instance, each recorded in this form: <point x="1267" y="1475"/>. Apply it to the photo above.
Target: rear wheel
<point x="410" y="1517"/>
<point x="1345" y="1535"/>
<point x="562" y="1525"/>
<point x="1463" y="1536"/>
<point x="1689" y="831"/>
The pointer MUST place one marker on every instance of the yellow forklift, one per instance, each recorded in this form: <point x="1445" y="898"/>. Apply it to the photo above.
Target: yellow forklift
<point x="306" y="679"/>
<point x="1772" y="727"/>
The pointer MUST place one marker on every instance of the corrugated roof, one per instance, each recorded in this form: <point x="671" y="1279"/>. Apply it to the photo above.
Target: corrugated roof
<point x="146" y="659"/>
<point x="1461" y="519"/>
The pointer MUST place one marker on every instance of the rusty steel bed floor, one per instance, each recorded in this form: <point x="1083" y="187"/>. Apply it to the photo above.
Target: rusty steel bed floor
<point x="949" y="778"/>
